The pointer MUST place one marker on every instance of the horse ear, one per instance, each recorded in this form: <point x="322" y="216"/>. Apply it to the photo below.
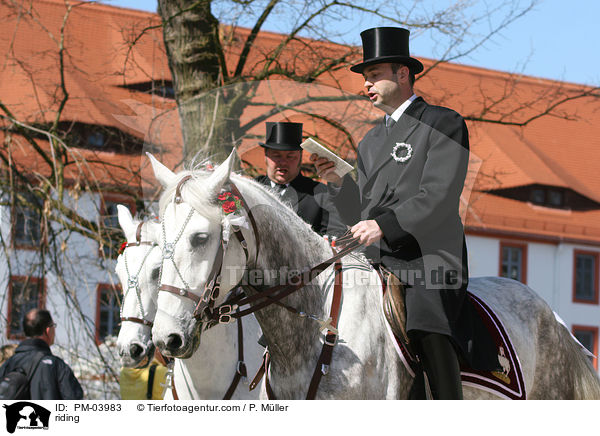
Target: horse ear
<point x="165" y="176"/>
<point x="220" y="177"/>
<point x="126" y="221"/>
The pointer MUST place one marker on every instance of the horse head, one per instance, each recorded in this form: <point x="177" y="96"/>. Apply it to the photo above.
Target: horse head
<point x="138" y="269"/>
<point x="193" y="227"/>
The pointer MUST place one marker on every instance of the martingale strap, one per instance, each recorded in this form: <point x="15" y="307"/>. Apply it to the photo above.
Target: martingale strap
<point x="264" y="371"/>
<point x="324" y="361"/>
<point x="240" y="371"/>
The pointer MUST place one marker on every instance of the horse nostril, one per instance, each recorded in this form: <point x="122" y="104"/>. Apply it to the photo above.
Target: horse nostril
<point x="135" y="350"/>
<point x="174" y="342"/>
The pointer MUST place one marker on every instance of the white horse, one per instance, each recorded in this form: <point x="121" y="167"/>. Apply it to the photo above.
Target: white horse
<point x="209" y="373"/>
<point x="365" y="364"/>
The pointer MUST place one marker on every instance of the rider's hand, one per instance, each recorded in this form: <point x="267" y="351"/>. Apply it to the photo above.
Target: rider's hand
<point x="367" y="232"/>
<point x="326" y="169"/>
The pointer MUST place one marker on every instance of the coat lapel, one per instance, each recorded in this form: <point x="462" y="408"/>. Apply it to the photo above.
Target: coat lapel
<point x="407" y="123"/>
<point x="296" y="191"/>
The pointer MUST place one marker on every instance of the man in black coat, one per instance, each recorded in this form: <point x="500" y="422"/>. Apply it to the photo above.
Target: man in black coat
<point x="308" y="198"/>
<point x="405" y="209"/>
<point x="53" y="379"/>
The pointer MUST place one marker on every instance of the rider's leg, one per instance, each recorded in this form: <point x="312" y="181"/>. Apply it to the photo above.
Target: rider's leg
<point x="440" y="363"/>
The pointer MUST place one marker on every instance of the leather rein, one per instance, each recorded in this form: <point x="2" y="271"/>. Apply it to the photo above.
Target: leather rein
<point x="229" y="311"/>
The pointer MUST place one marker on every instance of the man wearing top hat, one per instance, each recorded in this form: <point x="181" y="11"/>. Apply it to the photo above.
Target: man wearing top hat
<point x="404" y="209"/>
<point x="308" y="198"/>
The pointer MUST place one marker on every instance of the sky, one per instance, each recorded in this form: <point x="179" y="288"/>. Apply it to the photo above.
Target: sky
<point x="558" y="40"/>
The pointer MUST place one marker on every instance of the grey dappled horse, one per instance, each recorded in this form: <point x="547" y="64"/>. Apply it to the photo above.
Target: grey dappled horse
<point x="365" y="364"/>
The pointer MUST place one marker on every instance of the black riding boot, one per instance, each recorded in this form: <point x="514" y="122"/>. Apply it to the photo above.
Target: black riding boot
<point x="440" y="363"/>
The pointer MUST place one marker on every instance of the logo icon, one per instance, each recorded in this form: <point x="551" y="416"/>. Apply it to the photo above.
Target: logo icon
<point x="26" y="415"/>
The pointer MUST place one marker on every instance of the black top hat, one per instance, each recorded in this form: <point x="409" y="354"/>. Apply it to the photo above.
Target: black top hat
<point x="283" y="136"/>
<point x="386" y="45"/>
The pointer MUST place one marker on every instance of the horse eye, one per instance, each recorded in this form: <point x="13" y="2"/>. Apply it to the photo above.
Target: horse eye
<point x="198" y="239"/>
<point x="155" y="273"/>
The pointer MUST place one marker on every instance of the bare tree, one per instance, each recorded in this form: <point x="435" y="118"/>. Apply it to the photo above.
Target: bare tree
<point x="212" y="45"/>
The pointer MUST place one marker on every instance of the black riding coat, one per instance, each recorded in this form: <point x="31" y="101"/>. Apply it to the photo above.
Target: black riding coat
<point x="415" y="201"/>
<point x="310" y="201"/>
<point x="52" y="380"/>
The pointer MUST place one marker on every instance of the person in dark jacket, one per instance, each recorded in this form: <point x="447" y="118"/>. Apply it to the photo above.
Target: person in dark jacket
<point x="308" y="198"/>
<point x="405" y="209"/>
<point x="53" y="379"/>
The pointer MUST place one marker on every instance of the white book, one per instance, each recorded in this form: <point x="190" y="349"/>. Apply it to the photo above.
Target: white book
<point x="341" y="166"/>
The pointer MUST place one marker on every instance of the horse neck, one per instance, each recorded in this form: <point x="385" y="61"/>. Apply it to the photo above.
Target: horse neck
<point x="288" y="244"/>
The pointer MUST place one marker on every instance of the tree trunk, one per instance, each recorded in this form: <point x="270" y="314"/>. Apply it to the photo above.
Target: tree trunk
<point x="191" y="36"/>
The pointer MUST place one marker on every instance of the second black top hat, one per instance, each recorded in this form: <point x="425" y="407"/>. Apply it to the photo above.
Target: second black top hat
<point x="283" y="136"/>
<point x="389" y="45"/>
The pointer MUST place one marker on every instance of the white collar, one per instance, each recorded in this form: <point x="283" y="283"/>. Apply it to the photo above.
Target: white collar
<point x="273" y="184"/>
<point x="400" y="110"/>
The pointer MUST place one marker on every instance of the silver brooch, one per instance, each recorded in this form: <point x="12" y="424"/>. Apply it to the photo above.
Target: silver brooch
<point x="398" y="149"/>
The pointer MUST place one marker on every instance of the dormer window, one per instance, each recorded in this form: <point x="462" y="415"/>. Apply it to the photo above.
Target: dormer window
<point x="547" y="196"/>
<point x="98" y="137"/>
<point x="552" y="197"/>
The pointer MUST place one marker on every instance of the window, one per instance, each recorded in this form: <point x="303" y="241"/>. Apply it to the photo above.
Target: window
<point x="513" y="261"/>
<point x="555" y="198"/>
<point x="25" y="293"/>
<point x="110" y="222"/>
<point x="538" y="196"/>
<point x="108" y="314"/>
<point x="26" y="228"/>
<point x="96" y="139"/>
<point x="588" y="336"/>
<point x="585" y="277"/>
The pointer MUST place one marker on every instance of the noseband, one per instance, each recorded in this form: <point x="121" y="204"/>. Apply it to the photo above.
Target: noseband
<point x="133" y="280"/>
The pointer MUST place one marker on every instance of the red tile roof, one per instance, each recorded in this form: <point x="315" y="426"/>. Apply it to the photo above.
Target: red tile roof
<point x="552" y="150"/>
